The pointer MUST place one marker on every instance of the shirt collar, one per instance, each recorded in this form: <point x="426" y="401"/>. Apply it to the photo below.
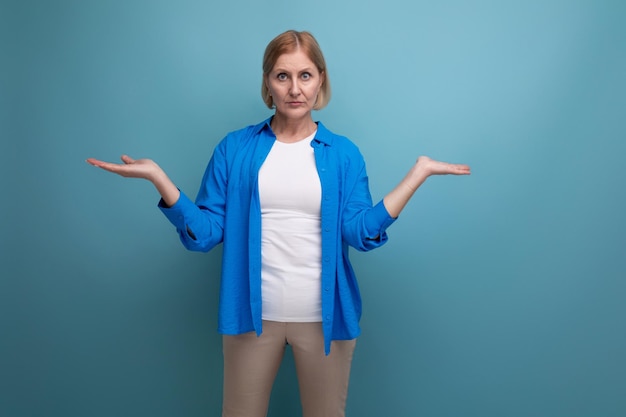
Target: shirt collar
<point x="322" y="135"/>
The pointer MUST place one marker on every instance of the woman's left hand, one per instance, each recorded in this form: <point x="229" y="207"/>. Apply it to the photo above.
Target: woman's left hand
<point x="429" y="167"/>
<point x="423" y="168"/>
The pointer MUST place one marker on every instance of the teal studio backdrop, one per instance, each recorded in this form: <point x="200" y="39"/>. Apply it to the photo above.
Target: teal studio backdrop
<point x="499" y="294"/>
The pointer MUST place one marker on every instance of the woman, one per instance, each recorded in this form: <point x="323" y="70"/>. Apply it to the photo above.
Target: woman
<point x="286" y="197"/>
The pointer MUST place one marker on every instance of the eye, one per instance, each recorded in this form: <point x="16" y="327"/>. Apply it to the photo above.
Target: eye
<point x="282" y="76"/>
<point x="306" y="76"/>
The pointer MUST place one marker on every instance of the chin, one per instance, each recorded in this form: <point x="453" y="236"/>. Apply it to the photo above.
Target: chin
<point x="294" y="113"/>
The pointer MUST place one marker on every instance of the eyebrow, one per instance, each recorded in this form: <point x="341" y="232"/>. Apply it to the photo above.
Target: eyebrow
<point x="279" y="69"/>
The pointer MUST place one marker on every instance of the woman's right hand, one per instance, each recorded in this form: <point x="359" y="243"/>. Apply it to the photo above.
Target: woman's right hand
<point x="142" y="168"/>
<point x="131" y="168"/>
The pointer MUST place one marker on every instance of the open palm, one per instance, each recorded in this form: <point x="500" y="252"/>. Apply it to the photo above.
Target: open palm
<point x="131" y="168"/>
<point x="432" y="167"/>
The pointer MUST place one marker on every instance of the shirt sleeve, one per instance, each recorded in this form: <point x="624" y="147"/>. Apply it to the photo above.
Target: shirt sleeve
<point x="377" y="220"/>
<point x="200" y="225"/>
<point x="363" y="225"/>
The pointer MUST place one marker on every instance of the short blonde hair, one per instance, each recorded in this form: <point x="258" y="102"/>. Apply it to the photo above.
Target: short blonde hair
<point x="291" y="41"/>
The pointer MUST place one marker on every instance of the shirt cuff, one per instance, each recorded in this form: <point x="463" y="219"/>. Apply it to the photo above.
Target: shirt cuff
<point x="176" y="213"/>
<point x="378" y="220"/>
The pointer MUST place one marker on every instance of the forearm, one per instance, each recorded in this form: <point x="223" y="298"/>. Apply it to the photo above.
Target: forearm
<point x="398" y="198"/>
<point x="168" y="190"/>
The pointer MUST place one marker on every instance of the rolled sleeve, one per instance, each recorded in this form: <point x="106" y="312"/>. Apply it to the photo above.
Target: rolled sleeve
<point x="378" y="220"/>
<point x="198" y="229"/>
<point x="176" y="213"/>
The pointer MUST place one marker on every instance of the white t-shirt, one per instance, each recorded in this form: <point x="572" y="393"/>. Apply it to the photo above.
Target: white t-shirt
<point x="290" y="194"/>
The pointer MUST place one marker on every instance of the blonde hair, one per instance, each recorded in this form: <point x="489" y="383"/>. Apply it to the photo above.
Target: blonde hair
<point x="291" y="41"/>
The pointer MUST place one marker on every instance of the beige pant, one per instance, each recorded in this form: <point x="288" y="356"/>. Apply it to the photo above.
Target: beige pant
<point x="251" y="364"/>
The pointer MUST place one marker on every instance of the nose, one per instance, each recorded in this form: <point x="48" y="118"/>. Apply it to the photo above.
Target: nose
<point x="294" y="89"/>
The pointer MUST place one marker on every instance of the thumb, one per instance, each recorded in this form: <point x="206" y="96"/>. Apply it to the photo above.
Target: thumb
<point x="127" y="159"/>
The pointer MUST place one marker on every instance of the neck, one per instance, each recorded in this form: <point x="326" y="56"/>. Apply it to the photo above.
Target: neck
<point x="292" y="130"/>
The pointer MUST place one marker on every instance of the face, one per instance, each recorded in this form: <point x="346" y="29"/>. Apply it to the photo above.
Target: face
<point x="294" y="83"/>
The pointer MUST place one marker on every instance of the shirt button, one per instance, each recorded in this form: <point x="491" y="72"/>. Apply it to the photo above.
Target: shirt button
<point x="327" y="318"/>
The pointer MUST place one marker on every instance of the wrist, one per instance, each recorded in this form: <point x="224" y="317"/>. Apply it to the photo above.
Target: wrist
<point x="158" y="176"/>
<point x="416" y="176"/>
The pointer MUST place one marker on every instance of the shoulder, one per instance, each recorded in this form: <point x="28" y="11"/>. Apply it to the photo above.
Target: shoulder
<point x="242" y="138"/>
<point x="247" y="132"/>
<point x="337" y="142"/>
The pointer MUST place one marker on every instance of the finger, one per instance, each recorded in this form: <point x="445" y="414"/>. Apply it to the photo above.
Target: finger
<point x="111" y="167"/>
<point x="462" y="169"/>
<point x="459" y="166"/>
<point x="454" y="169"/>
<point x="93" y="161"/>
<point x="127" y="159"/>
<point x="98" y="163"/>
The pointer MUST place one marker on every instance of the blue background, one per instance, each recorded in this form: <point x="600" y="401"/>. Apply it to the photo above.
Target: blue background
<point x="499" y="294"/>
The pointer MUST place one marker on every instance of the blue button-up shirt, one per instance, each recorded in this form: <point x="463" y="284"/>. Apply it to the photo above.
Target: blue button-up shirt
<point x="227" y="210"/>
